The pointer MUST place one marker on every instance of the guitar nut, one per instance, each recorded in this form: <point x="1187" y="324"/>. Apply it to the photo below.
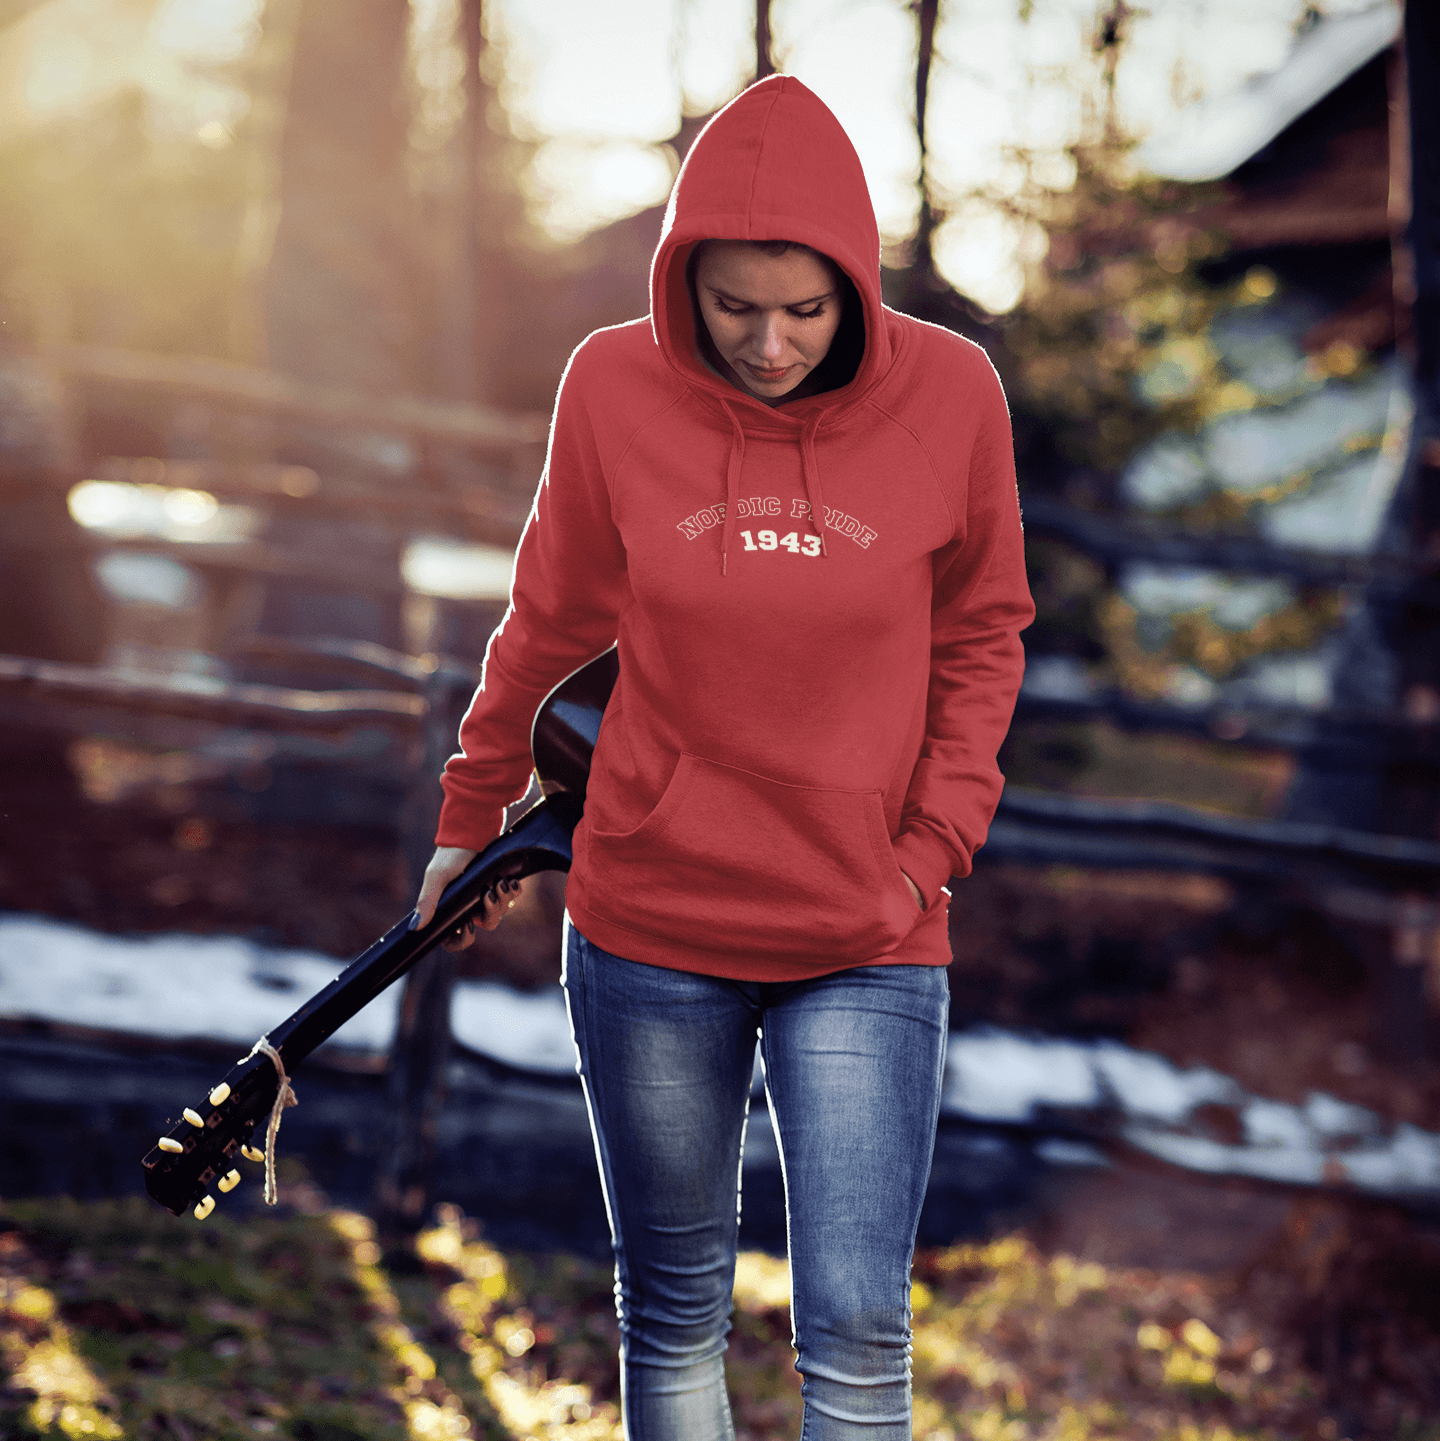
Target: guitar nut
<point x="194" y="1117"/>
<point x="220" y="1094"/>
<point x="251" y="1154"/>
<point x="207" y="1204"/>
<point x="228" y="1183"/>
<point x="166" y="1144"/>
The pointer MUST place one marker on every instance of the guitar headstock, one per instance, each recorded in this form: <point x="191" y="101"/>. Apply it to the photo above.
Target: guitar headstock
<point x="204" y="1148"/>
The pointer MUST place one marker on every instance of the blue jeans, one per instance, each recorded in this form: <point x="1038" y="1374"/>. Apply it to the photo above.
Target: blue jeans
<point x="853" y="1063"/>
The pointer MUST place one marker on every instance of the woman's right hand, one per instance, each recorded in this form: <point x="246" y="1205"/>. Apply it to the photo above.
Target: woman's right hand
<point x="445" y="865"/>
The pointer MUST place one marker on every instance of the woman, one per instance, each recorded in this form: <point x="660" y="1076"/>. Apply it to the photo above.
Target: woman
<point x="794" y="512"/>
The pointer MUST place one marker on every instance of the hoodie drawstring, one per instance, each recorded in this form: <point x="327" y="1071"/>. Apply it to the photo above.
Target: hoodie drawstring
<point x="732" y="486"/>
<point x="809" y="470"/>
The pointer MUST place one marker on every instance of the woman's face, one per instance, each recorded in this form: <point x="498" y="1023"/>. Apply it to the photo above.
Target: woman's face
<point x="772" y="317"/>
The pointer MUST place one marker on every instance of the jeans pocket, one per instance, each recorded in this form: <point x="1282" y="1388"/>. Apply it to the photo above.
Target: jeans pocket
<point x="730" y="860"/>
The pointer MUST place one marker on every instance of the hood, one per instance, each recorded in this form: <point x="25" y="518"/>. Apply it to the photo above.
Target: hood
<point x="774" y="164"/>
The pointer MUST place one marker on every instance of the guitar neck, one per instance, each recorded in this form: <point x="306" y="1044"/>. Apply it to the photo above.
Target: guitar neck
<point x="539" y="841"/>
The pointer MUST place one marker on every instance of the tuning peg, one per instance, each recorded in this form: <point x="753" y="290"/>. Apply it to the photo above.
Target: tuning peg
<point x="207" y="1204"/>
<point x="194" y="1117"/>
<point x="228" y="1183"/>
<point x="251" y="1154"/>
<point x="220" y="1094"/>
<point x="166" y="1144"/>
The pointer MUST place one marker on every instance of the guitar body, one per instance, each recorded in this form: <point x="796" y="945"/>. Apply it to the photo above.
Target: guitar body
<point x="562" y="742"/>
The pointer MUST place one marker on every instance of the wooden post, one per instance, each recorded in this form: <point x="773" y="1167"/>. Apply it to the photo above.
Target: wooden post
<point x="1408" y="790"/>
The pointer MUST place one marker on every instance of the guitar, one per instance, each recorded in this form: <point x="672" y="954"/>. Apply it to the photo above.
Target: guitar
<point x="201" y="1149"/>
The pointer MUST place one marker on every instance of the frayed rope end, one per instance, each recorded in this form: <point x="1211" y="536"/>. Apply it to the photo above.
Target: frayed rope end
<point x="284" y="1096"/>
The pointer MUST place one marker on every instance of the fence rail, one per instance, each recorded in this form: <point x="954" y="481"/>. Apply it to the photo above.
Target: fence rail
<point x="1043" y="828"/>
<point x="1113" y="541"/>
<point x="203" y="698"/>
<point x="201" y="378"/>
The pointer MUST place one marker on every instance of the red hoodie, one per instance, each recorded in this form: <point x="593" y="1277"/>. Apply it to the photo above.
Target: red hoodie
<point x="790" y="730"/>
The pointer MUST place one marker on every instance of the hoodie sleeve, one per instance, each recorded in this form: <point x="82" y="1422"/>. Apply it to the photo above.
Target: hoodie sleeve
<point x="981" y="604"/>
<point x="566" y="594"/>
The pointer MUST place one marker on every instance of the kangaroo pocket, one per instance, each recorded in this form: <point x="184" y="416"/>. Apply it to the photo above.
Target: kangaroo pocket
<point x="732" y="861"/>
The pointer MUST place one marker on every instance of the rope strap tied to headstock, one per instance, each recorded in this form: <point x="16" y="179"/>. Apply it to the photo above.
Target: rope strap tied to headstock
<point x="284" y="1096"/>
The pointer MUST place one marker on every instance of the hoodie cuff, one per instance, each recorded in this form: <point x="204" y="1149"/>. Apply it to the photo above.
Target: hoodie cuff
<point x="925" y="860"/>
<point x="472" y="831"/>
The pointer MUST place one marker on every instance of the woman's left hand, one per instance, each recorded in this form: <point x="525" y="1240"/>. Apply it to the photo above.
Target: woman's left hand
<point x="914" y="891"/>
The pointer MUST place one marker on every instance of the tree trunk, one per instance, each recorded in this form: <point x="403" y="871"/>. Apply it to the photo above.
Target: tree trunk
<point x="340" y="289"/>
<point x="927" y="12"/>
<point x="764" y="64"/>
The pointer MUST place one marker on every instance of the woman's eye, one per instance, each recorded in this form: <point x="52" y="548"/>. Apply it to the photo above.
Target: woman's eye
<point x="808" y="314"/>
<point x="730" y="309"/>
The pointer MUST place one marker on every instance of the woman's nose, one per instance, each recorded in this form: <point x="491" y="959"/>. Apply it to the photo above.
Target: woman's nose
<point x="772" y="341"/>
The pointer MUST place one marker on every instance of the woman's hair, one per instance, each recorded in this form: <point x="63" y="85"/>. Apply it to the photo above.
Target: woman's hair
<point x="846" y="350"/>
<point x="776" y="248"/>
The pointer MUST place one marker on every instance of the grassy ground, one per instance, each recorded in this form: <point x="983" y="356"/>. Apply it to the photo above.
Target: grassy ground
<point x="119" y="1321"/>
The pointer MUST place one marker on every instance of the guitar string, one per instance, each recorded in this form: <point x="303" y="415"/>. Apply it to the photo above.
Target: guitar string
<point x="284" y="1096"/>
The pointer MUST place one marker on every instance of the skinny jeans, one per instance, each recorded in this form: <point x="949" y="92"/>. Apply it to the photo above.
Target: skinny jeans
<point x="852" y="1063"/>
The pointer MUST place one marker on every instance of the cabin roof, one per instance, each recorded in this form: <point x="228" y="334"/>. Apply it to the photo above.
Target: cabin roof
<point x="1215" y="136"/>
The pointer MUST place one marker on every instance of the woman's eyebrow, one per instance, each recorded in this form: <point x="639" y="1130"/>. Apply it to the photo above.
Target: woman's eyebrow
<point x="790" y="305"/>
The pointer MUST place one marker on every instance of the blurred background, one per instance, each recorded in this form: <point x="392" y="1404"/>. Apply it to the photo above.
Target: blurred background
<point x="286" y="288"/>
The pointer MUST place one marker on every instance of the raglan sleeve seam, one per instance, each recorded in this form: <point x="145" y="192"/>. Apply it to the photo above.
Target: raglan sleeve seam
<point x="568" y="589"/>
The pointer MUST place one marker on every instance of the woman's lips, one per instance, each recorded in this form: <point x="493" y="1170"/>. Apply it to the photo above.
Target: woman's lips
<point x="761" y="373"/>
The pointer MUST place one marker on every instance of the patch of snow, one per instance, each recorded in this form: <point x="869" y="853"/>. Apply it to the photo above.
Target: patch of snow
<point x="1276" y="1125"/>
<point x="1250" y="451"/>
<point x="137" y="578"/>
<point x="1170" y="589"/>
<point x="528" y="1030"/>
<point x="1170" y="471"/>
<point x="1148" y="1085"/>
<point x="1259" y="348"/>
<point x="1152" y="1104"/>
<point x="188" y="987"/>
<point x="1408" y="1162"/>
<point x="1057" y="677"/>
<point x="1333" y="1117"/>
<point x="996" y="1076"/>
<point x="1297" y="1165"/>
<point x="225" y="988"/>
<point x="1059" y="1151"/>
<point x="1305" y="679"/>
<point x="1234" y="602"/>
<point x="1342" y="512"/>
<point x="1246" y="603"/>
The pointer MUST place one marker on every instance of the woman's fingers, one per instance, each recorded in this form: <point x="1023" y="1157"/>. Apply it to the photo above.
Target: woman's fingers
<point x="499" y="900"/>
<point x="445" y="865"/>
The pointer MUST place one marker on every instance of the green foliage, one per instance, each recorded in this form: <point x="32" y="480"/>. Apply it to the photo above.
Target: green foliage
<point x="1115" y="345"/>
<point x="1116" y="293"/>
